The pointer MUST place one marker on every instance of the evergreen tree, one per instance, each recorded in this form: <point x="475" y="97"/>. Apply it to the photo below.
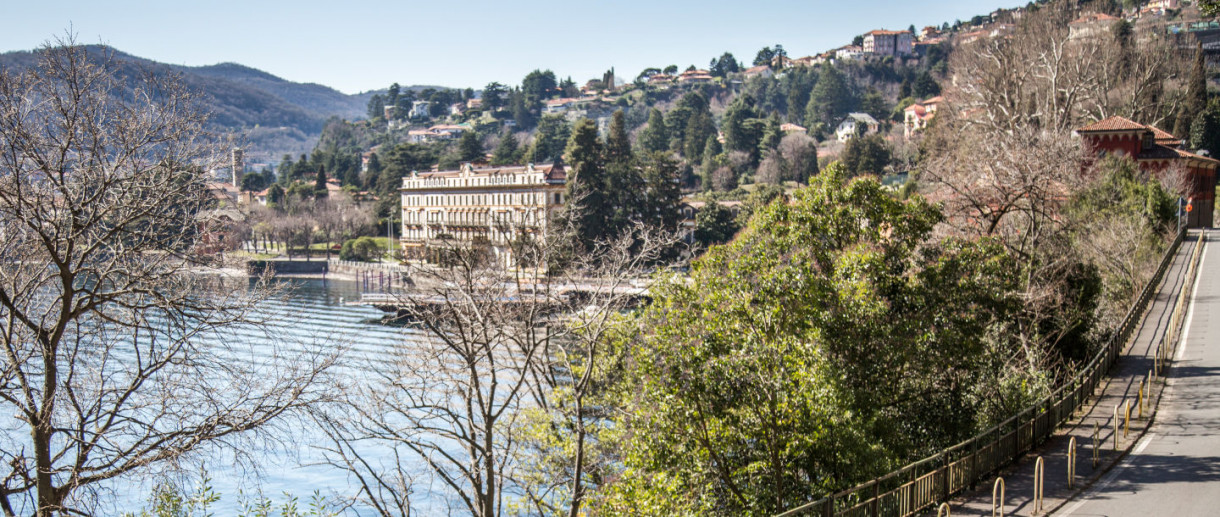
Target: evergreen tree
<point x="319" y="184"/>
<point x="301" y="168"/>
<point x="655" y="136"/>
<point x="698" y="127"/>
<point x="866" y="155"/>
<point x="506" y="151"/>
<point x="1205" y="130"/>
<point x="771" y="134"/>
<point x="663" y="193"/>
<point x="742" y="129"/>
<point x="374" y="171"/>
<point x="713" y="158"/>
<point x="549" y="140"/>
<point x="618" y="144"/>
<point x="1196" y="96"/>
<point x="588" y="211"/>
<point x="275" y="195"/>
<point x="469" y="147"/>
<point x="830" y="100"/>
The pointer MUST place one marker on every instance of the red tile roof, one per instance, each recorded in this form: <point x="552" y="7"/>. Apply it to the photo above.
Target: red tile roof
<point x="1115" y="123"/>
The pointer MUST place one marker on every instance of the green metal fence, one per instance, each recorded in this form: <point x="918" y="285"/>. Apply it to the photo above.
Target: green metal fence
<point x="922" y="484"/>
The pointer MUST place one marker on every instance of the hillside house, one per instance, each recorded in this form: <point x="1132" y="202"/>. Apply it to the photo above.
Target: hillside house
<point x="695" y="77"/>
<point x="420" y="109"/>
<point x="847" y="129"/>
<point x="758" y="71"/>
<point x="888" y="43"/>
<point x="1155" y="151"/>
<point x="1090" y="25"/>
<point x="916" y="116"/>
<point x="849" y="52"/>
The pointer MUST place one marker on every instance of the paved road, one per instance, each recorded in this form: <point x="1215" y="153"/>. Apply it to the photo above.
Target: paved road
<point x="1175" y="469"/>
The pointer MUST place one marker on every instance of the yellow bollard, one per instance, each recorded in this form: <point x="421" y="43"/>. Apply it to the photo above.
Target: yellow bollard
<point x="997" y="503"/>
<point x="1097" y="444"/>
<point x="1127" y="420"/>
<point x="1140" y="404"/>
<point x="943" y="511"/>
<point x="1039" y="483"/>
<point x="1071" y="462"/>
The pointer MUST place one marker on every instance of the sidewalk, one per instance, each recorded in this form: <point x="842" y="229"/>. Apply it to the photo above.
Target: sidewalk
<point x="1123" y="384"/>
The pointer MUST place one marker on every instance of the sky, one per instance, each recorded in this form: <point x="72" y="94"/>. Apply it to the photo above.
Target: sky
<point x="361" y="45"/>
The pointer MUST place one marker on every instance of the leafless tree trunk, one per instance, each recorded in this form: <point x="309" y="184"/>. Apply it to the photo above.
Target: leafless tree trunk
<point x="498" y="345"/>
<point x="112" y="364"/>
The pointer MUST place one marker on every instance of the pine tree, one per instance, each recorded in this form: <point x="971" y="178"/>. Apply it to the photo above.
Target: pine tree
<point x="662" y="191"/>
<point x="588" y="211"/>
<point x="506" y="151"/>
<point x="469" y="147"/>
<point x="698" y="127"/>
<point x="319" y="184"/>
<point x="655" y="136"/>
<point x="771" y="135"/>
<point x="618" y="144"/>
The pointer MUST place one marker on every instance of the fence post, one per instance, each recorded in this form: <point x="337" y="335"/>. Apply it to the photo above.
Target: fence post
<point x="876" y="498"/>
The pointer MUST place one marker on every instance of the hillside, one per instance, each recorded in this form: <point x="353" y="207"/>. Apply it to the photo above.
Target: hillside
<point x="273" y="115"/>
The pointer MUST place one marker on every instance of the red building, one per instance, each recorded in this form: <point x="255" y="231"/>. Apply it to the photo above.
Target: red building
<point x="1157" y="151"/>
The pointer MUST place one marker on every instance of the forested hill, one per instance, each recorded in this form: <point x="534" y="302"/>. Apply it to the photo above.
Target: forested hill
<point x="288" y="116"/>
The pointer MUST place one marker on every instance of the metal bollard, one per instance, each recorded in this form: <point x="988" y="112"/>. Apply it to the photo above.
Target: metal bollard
<point x="1071" y="462"/>
<point x="943" y="511"/>
<point x="1127" y="420"/>
<point x="1140" y="404"/>
<point x="997" y="503"/>
<point x="1116" y="426"/>
<point x="1097" y="444"/>
<point x="1039" y="483"/>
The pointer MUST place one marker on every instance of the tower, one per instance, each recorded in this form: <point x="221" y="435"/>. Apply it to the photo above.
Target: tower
<point x="239" y="166"/>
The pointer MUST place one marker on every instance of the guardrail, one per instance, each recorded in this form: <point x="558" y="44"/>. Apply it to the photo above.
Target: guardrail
<point x="922" y="484"/>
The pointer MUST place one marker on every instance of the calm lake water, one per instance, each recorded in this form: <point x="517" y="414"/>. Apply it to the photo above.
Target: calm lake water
<point x="313" y="314"/>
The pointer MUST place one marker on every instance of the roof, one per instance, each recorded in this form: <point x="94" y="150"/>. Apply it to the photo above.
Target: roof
<point x="553" y="171"/>
<point x="1114" y="123"/>
<point x="862" y="117"/>
<point x="883" y="32"/>
<point x="791" y="127"/>
<point x="934" y="100"/>
<point x="757" y="69"/>
<point x="1094" y="17"/>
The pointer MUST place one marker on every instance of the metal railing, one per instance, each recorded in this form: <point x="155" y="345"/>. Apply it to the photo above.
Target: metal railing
<point x="922" y="484"/>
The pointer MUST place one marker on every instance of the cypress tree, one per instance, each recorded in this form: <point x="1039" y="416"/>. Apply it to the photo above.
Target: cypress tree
<point x="1196" y="96"/>
<point x="655" y="136"/>
<point x="319" y="184"/>
<point x="618" y="144"/>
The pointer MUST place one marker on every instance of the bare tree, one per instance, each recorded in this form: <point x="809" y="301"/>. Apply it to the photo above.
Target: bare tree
<point x="112" y="362"/>
<point x="498" y="364"/>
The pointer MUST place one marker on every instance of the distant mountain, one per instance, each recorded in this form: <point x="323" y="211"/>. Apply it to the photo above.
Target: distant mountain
<point x="273" y="115"/>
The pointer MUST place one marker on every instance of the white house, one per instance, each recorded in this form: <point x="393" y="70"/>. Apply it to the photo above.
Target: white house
<point x="847" y="128"/>
<point x="419" y="109"/>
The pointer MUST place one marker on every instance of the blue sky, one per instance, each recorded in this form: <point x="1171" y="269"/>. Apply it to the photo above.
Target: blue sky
<point x="358" y="45"/>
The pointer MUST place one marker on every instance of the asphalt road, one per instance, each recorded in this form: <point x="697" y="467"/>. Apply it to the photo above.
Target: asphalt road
<point x="1175" y="469"/>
